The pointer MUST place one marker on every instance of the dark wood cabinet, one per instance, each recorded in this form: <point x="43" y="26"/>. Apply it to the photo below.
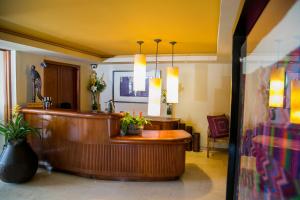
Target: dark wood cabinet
<point x="162" y="123"/>
<point x="61" y="82"/>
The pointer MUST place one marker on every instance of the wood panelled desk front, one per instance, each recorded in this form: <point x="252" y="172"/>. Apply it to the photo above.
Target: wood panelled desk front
<point x="89" y="144"/>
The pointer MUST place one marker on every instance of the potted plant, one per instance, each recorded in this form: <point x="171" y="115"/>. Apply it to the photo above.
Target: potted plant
<point x="132" y="125"/>
<point x="18" y="162"/>
<point x="96" y="86"/>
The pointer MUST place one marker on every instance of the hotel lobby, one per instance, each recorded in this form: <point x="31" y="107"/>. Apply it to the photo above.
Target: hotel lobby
<point x="150" y="99"/>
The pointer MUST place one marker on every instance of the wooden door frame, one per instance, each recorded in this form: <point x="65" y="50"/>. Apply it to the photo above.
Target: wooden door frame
<point x="7" y="84"/>
<point x="77" y="67"/>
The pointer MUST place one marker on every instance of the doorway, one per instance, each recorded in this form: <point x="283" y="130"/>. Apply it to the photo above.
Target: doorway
<point x="61" y="83"/>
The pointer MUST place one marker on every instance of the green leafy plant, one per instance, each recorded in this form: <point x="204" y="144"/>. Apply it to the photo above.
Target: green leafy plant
<point x="129" y="120"/>
<point x="17" y="128"/>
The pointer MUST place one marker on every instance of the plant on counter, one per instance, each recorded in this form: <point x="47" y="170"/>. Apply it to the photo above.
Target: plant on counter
<point x="17" y="155"/>
<point x="133" y="125"/>
<point x="95" y="86"/>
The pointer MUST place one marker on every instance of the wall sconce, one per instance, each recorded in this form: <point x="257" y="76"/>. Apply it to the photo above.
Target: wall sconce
<point x="276" y="95"/>
<point x="295" y="102"/>
<point x="172" y="80"/>
<point x="139" y="70"/>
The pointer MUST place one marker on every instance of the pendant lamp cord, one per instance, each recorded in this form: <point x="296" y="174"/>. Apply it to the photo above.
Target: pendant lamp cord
<point x="157" y="41"/>
<point x="140" y="43"/>
<point x="173" y="44"/>
<point x="278" y="52"/>
<point x="172" y="55"/>
<point x="140" y="48"/>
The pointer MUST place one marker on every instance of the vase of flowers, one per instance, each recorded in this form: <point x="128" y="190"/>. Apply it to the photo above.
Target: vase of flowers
<point x="133" y="125"/>
<point x="18" y="162"/>
<point x="168" y="108"/>
<point x="96" y="86"/>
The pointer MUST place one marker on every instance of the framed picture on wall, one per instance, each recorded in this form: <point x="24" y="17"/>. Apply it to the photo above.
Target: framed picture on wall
<point x="123" y="87"/>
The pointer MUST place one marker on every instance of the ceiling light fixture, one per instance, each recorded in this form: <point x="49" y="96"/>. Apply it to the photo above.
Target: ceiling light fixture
<point x="172" y="80"/>
<point x="154" y="90"/>
<point x="139" y="70"/>
<point x="295" y="103"/>
<point x="276" y="96"/>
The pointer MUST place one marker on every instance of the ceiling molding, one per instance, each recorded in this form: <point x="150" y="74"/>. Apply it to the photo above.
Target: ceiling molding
<point x="229" y="12"/>
<point x="162" y="59"/>
<point x="79" y="57"/>
<point x="36" y="39"/>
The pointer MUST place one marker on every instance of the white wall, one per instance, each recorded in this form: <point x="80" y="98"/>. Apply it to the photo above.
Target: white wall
<point x="205" y="89"/>
<point x="23" y="80"/>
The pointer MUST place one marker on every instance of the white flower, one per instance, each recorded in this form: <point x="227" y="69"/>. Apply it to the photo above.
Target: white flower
<point x="94" y="89"/>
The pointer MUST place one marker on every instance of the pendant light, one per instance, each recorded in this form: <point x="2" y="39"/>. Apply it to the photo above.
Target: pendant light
<point x="277" y="87"/>
<point x="295" y="103"/>
<point x="172" y="80"/>
<point x="277" y="80"/>
<point x="154" y="90"/>
<point x="139" y="70"/>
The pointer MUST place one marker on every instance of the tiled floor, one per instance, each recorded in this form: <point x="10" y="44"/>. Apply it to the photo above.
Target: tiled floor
<point x="204" y="179"/>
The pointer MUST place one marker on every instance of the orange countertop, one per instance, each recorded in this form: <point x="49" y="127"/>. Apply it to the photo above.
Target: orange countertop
<point x="154" y="136"/>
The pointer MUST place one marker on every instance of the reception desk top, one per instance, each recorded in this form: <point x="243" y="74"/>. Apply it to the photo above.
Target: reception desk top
<point x="69" y="113"/>
<point x="154" y="136"/>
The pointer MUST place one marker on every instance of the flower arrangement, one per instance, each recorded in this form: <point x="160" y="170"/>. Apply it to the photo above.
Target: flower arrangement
<point x="96" y="85"/>
<point x="131" y="124"/>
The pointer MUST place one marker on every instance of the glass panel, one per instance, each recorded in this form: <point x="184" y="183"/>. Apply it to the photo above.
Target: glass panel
<point x="270" y="138"/>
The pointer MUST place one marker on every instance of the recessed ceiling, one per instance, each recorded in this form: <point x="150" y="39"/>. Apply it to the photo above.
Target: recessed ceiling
<point x="112" y="27"/>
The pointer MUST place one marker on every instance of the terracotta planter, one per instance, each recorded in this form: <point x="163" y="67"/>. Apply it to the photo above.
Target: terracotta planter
<point x="18" y="162"/>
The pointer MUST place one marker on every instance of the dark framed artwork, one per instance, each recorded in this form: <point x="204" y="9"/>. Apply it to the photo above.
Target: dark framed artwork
<point x="123" y="87"/>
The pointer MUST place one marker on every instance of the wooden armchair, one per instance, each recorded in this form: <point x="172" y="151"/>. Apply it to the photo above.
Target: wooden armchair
<point x="218" y="129"/>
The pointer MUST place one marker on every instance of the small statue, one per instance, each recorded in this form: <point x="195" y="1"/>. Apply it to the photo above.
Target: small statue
<point x="36" y="84"/>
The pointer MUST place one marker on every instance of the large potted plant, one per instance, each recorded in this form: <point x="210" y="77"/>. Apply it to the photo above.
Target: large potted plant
<point x="133" y="125"/>
<point x="18" y="162"/>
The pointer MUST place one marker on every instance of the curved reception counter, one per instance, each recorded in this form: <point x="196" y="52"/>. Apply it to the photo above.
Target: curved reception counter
<point x="89" y="145"/>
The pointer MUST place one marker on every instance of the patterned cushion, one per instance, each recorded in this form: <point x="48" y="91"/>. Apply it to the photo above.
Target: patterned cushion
<point x="218" y="126"/>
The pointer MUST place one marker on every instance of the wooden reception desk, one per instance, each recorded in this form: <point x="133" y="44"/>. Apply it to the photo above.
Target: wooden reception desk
<point x="89" y="144"/>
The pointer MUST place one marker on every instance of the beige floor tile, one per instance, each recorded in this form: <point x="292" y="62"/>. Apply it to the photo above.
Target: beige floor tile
<point x="204" y="179"/>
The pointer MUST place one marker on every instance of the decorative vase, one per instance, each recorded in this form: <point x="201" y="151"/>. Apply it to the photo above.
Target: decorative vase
<point x="94" y="103"/>
<point x="169" y="109"/>
<point x="18" y="162"/>
<point x="135" y="129"/>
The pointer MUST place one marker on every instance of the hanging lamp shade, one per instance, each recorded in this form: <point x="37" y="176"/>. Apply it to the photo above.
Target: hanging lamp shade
<point x="172" y="80"/>
<point x="139" y="72"/>
<point x="172" y="84"/>
<point x="154" y="97"/>
<point x="277" y="87"/>
<point x="295" y="102"/>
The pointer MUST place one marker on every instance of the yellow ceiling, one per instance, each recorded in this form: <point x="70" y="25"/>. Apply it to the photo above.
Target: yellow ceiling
<point x="112" y="27"/>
